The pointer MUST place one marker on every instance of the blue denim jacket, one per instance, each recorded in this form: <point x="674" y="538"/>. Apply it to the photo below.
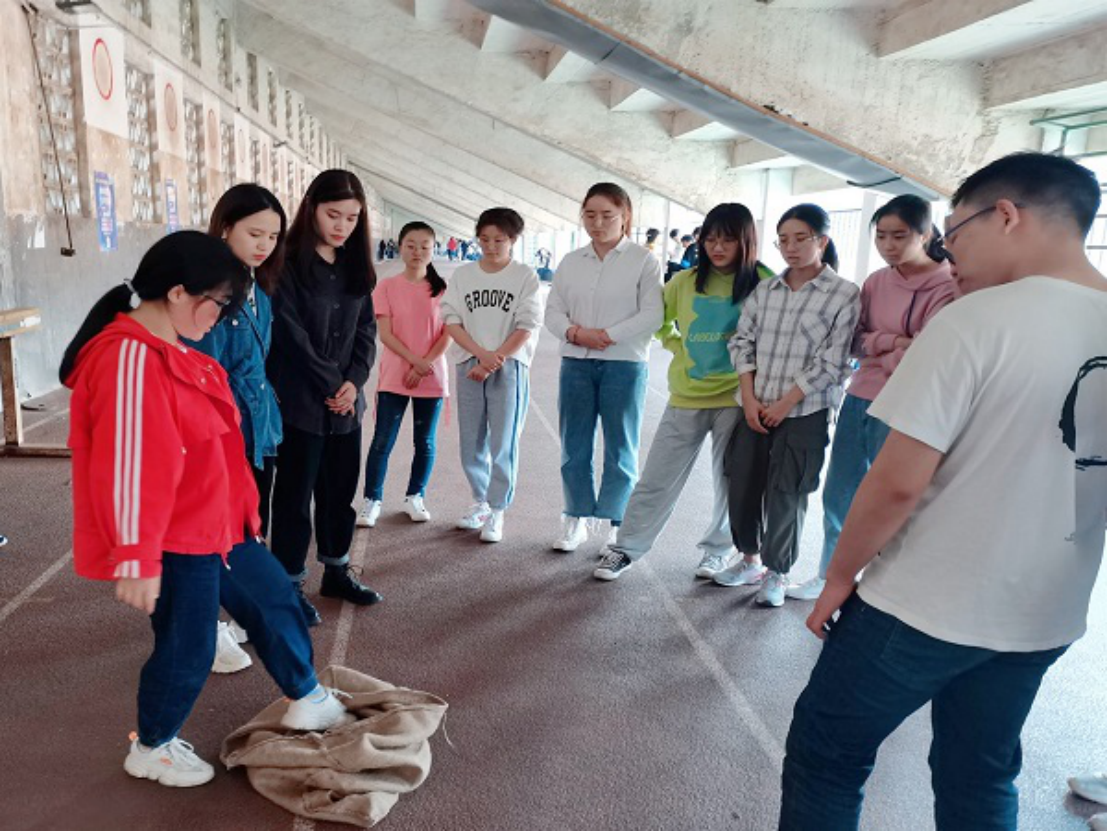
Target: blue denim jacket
<point x="241" y="344"/>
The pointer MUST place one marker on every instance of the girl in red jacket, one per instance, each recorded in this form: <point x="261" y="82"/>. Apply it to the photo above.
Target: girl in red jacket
<point x="163" y="495"/>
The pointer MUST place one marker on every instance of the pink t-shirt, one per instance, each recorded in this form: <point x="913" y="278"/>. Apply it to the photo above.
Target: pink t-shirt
<point x="417" y="321"/>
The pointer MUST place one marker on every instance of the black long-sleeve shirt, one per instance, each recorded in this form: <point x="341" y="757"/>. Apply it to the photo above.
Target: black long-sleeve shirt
<point x="323" y="336"/>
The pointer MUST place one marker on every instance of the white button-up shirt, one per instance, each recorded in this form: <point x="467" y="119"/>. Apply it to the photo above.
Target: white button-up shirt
<point x="621" y="294"/>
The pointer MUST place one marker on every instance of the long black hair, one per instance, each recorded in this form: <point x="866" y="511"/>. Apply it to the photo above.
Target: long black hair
<point x="241" y="201"/>
<point x="817" y="219"/>
<point x="434" y="279"/>
<point x="914" y="212"/>
<point x="334" y="186"/>
<point x="734" y="220"/>
<point x="191" y="259"/>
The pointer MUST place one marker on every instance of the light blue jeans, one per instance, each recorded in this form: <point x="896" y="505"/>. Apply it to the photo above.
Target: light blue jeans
<point x="613" y="393"/>
<point x="490" y="422"/>
<point x="858" y="440"/>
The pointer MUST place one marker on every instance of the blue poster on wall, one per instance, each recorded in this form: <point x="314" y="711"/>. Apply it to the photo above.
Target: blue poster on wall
<point x="106" y="229"/>
<point x="172" y="218"/>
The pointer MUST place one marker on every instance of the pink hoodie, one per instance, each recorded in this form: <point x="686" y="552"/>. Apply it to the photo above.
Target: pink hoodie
<point x="894" y="305"/>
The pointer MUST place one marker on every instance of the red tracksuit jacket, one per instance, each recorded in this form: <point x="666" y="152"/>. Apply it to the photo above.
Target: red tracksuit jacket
<point x="159" y="462"/>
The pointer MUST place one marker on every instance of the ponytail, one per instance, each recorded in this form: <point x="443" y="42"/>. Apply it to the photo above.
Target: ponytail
<point x="831" y="255"/>
<point x="435" y="281"/>
<point x="197" y="262"/>
<point x="935" y="248"/>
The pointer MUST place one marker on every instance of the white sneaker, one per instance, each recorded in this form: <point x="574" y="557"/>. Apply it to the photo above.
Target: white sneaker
<point x="772" y="592"/>
<point x="493" y="530"/>
<point x="711" y="564"/>
<point x="1098" y="822"/>
<point x="808" y="590"/>
<point x="740" y="574"/>
<point x="368" y="513"/>
<point x="318" y="711"/>
<point x="415" y="508"/>
<point x="173" y="764"/>
<point x="1093" y="787"/>
<point x="475" y="517"/>
<point x="229" y="656"/>
<point x="575" y="530"/>
<point x="240" y="634"/>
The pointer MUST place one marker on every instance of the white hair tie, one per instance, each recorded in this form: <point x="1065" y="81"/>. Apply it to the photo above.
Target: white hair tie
<point x="136" y="301"/>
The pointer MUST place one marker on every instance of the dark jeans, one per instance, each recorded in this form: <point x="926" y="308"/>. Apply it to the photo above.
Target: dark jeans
<point x="264" y="480"/>
<point x="390" y="413"/>
<point x="769" y="479"/>
<point x="326" y="468"/>
<point x="875" y="671"/>
<point x="254" y="590"/>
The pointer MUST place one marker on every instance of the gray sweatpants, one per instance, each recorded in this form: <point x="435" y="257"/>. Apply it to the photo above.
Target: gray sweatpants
<point x="490" y="422"/>
<point x="676" y="445"/>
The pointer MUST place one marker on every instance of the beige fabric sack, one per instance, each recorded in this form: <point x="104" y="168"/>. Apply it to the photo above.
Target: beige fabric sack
<point x="352" y="774"/>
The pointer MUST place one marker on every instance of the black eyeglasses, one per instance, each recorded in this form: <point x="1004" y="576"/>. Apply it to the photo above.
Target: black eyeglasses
<point x="949" y="235"/>
<point x="223" y="304"/>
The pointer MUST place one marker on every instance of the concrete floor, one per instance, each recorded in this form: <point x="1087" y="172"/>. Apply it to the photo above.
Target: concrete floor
<point x="656" y="702"/>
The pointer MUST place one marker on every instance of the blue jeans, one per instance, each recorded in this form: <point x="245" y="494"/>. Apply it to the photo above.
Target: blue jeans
<point x="613" y="392"/>
<point x="858" y="440"/>
<point x="256" y="592"/>
<point x="875" y="671"/>
<point x="390" y="413"/>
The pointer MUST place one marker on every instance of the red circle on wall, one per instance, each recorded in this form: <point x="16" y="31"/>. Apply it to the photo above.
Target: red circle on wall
<point x="102" y="70"/>
<point x="169" y="100"/>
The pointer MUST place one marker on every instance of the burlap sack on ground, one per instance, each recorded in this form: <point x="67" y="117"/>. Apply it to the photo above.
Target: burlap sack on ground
<point x="352" y="774"/>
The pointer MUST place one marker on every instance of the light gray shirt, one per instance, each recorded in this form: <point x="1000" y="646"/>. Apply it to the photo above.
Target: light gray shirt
<point x="492" y="306"/>
<point x="621" y="294"/>
<point x="803" y="337"/>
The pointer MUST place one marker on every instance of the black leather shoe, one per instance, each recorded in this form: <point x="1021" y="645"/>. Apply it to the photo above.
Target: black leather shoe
<point x="340" y="583"/>
<point x="311" y="614"/>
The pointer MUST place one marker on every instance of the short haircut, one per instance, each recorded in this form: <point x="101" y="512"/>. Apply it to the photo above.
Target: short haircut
<point x="1055" y="185"/>
<point x="505" y="219"/>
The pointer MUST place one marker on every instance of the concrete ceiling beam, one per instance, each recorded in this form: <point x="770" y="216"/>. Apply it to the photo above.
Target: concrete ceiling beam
<point x="941" y="30"/>
<point x="686" y="123"/>
<point x="747" y="153"/>
<point x="415" y="109"/>
<point x="1068" y="72"/>
<point x="565" y="67"/>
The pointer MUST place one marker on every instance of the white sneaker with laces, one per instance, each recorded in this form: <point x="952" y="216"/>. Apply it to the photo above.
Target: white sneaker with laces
<point x="575" y="530"/>
<point x="318" y="711"/>
<point x="368" y="513"/>
<point x="713" y="563"/>
<point x="415" y="508"/>
<point x="475" y="517"/>
<point x="493" y="530"/>
<point x="740" y="574"/>
<point x="173" y="763"/>
<point x="772" y="592"/>
<point x="808" y="590"/>
<point x="1093" y="787"/>
<point x="229" y="656"/>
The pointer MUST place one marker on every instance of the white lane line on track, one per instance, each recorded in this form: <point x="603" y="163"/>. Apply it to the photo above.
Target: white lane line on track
<point x="739" y="702"/>
<point x="13" y="605"/>
<point x="342" y="641"/>
<point x="48" y="420"/>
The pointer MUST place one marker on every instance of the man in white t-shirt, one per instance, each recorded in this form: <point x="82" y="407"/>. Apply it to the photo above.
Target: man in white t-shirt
<point x="981" y="524"/>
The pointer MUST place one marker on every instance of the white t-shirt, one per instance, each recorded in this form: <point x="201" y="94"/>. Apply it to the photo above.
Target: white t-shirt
<point x="1004" y="547"/>
<point x="492" y="306"/>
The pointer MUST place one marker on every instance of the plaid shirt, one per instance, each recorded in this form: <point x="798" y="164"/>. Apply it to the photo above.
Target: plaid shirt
<point x="803" y="337"/>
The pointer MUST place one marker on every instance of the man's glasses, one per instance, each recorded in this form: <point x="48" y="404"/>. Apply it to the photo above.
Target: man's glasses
<point x="948" y="237"/>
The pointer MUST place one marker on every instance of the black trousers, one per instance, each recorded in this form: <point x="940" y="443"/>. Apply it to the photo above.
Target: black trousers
<point x="326" y="468"/>
<point x="770" y="477"/>
<point x="264" y="480"/>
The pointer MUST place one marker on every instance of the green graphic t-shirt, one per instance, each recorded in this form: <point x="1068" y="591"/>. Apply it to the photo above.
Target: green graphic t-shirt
<point x="696" y="329"/>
